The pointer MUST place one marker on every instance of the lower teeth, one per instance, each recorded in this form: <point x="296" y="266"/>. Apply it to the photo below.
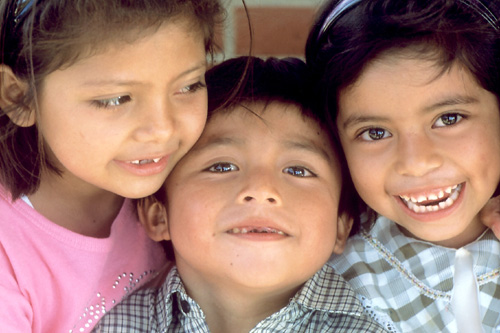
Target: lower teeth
<point x="433" y="208"/>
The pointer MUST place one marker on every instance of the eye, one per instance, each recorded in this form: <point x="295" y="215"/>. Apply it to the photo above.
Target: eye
<point x="448" y="120"/>
<point x="373" y="134"/>
<point x="193" y="87"/>
<point x="221" y="167"/>
<point x="111" y="102"/>
<point x="298" y="171"/>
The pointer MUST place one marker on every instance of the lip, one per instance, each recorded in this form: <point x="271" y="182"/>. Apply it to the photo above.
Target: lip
<point x="429" y="216"/>
<point x="258" y="229"/>
<point x="148" y="166"/>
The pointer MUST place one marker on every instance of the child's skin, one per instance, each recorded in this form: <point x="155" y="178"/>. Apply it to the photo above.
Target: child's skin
<point x="269" y="169"/>
<point x="423" y="134"/>
<point x="132" y="102"/>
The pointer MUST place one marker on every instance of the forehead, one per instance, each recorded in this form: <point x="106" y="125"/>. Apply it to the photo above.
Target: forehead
<point x="403" y="71"/>
<point x="105" y="38"/>
<point x="274" y="118"/>
<point x="273" y="122"/>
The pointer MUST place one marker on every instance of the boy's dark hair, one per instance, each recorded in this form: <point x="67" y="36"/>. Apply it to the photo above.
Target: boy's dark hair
<point x="443" y="31"/>
<point x="38" y="37"/>
<point x="284" y="80"/>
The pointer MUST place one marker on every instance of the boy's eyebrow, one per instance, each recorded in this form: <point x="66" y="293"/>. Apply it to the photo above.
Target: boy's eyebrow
<point x="307" y="145"/>
<point x="301" y="144"/>
<point x="119" y="82"/>
<point x="449" y="101"/>
<point x="217" y="140"/>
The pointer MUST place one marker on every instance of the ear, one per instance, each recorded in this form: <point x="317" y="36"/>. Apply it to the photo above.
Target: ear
<point x="12" y="90"/>
<point x="344" y="225"/>
<point x="153" y="217"/>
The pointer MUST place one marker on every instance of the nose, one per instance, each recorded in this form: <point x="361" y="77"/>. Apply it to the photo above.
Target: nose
<point x="154" y="122"/>
<point x="417" y="155"/>
<point x="260" y="187"/>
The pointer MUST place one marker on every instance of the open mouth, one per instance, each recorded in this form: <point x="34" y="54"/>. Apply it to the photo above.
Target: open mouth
<point x="432" y="202"/>
<point x="260" y="230"/>
<point x="141" y="162"/>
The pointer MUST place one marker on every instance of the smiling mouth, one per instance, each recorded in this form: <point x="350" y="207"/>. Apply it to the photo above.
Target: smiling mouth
<point x="433" y="202"/>
<point x="141" y="162"/>
<point x="250" y="230"/>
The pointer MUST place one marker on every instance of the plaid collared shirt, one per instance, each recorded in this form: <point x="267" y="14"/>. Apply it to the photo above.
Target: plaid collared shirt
<point x="406" y="284"/>
<point x="326" y="303"/>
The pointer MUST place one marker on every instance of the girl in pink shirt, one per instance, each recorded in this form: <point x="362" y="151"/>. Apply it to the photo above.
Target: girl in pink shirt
<point x="98" y="101"/>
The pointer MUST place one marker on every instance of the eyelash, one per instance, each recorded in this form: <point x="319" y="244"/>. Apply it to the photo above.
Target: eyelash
<point x="299" y="171"/>
<point x="193" y="88"/>
<point x="119" y="100"/>
<point x="222" y="167"/>
<point x="455" y="118"/>
<point x="378" y="131"/>
<point x="296" y="171"/>
<point x="111" y="102"/>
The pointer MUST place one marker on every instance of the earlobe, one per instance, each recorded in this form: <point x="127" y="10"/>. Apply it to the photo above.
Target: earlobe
<point x="344" y="226"/>
<point x="12" y="90"/>
<point x="153" y="217"/>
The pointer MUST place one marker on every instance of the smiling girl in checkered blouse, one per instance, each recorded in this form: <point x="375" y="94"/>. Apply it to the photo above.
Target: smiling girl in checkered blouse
<point x="412" y="90"/>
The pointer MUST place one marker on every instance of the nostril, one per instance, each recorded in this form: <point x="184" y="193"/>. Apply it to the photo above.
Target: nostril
<point x="271" y="200"/>
<point x="248" y="198"/>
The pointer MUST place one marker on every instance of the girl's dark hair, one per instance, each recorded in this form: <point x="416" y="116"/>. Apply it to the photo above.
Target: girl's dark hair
<point x="443" y="31"/>
<point x="38" y="37"/>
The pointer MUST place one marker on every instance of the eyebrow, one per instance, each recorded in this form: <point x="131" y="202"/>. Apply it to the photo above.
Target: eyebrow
<point x="304" y="145"/>
<point x="449" y="101"/>
<point x="308" y="146"/>
<point x="452" y="101"/>
<point x="216" y="141"/>
<point x="119" y="82"/>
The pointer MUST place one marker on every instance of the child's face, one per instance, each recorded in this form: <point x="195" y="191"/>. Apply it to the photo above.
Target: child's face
<point x="423" y="149"/>
<point x="121" y="119"/>
<point x="254" y="203"/>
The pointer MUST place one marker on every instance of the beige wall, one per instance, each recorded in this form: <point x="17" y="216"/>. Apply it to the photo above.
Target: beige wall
<point x="280" y="27"/>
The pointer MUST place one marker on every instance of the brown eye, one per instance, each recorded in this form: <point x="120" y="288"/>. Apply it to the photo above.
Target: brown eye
<point x="298" y="171"/>
<point x="448" y="120"/>
<point x="373" y="134"/>
<point x="222" y="167"/>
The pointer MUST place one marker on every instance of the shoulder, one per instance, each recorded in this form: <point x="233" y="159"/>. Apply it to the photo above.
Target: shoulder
<point x="148" y="309"/>
<point x="343" y="323"/>
<point x="135" y="313"/>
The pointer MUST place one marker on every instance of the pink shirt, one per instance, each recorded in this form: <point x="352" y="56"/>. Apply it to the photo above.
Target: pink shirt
<point x="55" y="280"/>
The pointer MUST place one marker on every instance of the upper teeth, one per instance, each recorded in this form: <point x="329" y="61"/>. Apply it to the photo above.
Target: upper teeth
<point x="255" y="230"/>
<point x="154" y="160"/>
<point x="413" y="202"/>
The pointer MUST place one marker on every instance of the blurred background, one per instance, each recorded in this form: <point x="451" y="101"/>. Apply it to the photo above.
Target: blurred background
<point x="280" y="27"/>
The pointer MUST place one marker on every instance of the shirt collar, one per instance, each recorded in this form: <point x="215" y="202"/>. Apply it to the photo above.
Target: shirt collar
<point x="329" y="292"/>
<point x="325" y="291"/>
<point x="385" y="235"/>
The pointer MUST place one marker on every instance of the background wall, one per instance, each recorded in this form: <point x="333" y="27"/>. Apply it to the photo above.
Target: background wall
<point x="280" y="27"/>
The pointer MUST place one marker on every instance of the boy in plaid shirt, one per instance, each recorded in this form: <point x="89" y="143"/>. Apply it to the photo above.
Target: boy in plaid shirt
<point x="253" y="215"/>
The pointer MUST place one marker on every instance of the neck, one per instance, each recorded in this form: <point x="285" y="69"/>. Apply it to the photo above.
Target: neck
<point x="86" y="210"/>
<point x="233" y="311"/>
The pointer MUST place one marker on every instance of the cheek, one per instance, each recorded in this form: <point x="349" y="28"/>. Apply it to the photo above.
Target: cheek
<point x="189" y="206"/>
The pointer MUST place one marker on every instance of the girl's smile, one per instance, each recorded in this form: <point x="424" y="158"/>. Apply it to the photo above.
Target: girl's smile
<point x="135" y="115"/>
<point x="437" y="200"/>
<point x="422" y="145"/>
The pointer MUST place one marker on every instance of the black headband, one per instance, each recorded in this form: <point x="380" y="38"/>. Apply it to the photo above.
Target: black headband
<point x="345" y="5"/>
